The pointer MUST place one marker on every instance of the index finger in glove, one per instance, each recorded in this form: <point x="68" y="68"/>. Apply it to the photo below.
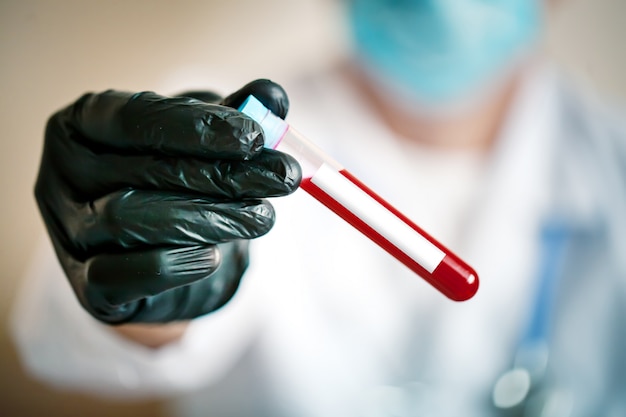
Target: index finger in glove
<point x="149" y="123"/>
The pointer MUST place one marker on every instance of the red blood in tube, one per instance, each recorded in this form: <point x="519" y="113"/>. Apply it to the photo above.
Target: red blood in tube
<point x="452" y="277"/>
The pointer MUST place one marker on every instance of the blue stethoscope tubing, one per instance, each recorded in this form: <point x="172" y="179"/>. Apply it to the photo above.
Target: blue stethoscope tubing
<point x="555" y="235"/>
<point x="532" y="349"/>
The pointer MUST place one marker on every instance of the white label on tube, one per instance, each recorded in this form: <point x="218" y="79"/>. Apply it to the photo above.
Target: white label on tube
<point x="359" y="203"/>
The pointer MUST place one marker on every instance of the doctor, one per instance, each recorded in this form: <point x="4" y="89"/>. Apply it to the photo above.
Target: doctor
<point x="151" y="204"/>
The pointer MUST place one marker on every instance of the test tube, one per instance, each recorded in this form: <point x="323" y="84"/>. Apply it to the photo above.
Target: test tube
<point x="331" y="184"/>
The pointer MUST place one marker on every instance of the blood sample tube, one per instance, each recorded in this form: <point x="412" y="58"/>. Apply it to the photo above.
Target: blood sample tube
<point x="327" y="181"/>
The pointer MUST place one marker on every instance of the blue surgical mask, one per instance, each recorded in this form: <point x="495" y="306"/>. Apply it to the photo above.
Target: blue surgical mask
<point x="441" y="51"/>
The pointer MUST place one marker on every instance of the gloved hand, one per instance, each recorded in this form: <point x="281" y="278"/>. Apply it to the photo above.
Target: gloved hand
<point x="150" y="201"/>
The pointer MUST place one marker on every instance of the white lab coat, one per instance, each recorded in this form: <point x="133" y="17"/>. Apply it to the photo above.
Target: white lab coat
<point x="327" y="324"/>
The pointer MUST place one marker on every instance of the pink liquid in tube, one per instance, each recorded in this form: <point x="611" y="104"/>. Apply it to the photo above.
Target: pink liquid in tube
<point x="328" y="182"/>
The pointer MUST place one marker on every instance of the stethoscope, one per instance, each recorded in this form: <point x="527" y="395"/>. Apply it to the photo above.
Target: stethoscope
<point x="524" y="390"/>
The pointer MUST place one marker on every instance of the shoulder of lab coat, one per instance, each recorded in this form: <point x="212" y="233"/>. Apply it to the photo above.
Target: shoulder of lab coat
<point x="591" y="144"/>
<point x="589" y="167"/>
<point x="62" y="345"/>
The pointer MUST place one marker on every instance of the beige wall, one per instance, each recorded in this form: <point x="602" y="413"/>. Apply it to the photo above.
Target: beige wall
<point x="587" y="36"/>
<point x="52" y="51"/>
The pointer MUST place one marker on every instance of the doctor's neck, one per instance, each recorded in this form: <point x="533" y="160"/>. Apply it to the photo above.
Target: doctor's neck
<point x="473" y="128"/>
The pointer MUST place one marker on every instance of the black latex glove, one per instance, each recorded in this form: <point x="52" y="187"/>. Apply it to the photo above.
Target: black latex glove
<point x="150" y="201"/>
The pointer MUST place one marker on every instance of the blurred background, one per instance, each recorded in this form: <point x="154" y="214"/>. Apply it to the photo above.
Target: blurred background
<point x="52" y="51"/>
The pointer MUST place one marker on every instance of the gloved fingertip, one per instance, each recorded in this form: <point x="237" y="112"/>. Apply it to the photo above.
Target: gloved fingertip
<point x="293" y="174"/>
<point x="272" y="95"/>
